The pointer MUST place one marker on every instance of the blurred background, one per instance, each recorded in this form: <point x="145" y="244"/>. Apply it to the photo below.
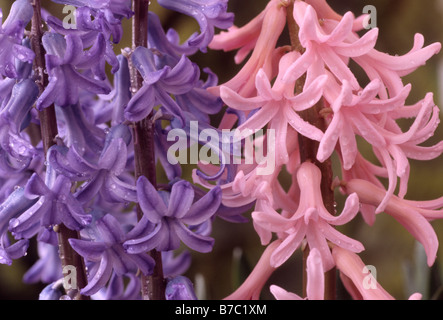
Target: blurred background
<point x="401" y="267"/>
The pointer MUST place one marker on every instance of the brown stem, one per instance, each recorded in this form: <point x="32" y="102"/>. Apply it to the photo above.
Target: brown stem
<point x="308" y="152"/>
<point x="153" y="286"/>
<point x="48" y="128"/>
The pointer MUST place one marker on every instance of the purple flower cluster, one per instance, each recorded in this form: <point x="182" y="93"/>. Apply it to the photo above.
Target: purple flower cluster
<point x="86" y="180"/>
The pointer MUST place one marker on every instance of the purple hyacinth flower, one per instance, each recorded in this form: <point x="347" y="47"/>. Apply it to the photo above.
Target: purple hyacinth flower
<point x="12" y="207"/>
<point x="10" y="180"/>
<point x="17" y="110"/>
<point x="103" y="175"/>
<point x="168" y="44"/>
<point x="200" y="102"/>
<point x="180" y="288"/>
<point x="65" y="57"/>
<point x="118" y="8"/>
<point x="117" y="290"/>
<point x="110" y="108"/>
<point x="159" y="84"/>
<point x="108" y="254"/>
<point x="175" y="265"/>
<point x="53" y="291"/>
<point x="11" y="35"/>
<point x="208" y="13"/>
<point x="89" y="32"/>
<point x="169" y="217"/>
<point x="16" y="151"/>
<point x="56" y="205"/>
<point x="76" y="131"/>
<point x="47" y="268"/>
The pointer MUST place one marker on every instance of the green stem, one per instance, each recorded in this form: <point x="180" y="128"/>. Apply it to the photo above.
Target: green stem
<point x="153" y="286"/>
<point x="48" y="127"/>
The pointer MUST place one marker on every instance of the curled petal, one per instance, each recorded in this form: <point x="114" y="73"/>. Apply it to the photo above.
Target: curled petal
<point x="204" y="208"/>
<point x="90" y="250"/>
<point x="192" y="240"/>
<point x="100" y="278"/>
<point x="146" y="242"/>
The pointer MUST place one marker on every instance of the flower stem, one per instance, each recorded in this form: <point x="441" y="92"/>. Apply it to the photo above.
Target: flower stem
<point x="308" y="152"/>
<point x="153" y="286"/>
<point x="48" y="128"/>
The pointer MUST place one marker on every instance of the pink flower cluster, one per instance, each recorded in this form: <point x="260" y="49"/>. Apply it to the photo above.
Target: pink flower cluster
<point x="264" y="90"/>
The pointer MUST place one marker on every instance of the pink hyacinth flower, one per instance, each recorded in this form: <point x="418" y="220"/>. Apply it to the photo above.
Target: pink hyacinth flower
<point x="415" y="219"/>
<point x="277" y="106"/>
<point x="272" y="20"/>
<point x="260" y="36"/>
<point x="353" y="115"/>
<point x="328" y="46"/>
<point x="357" y="279"/>
<point x="315" y="285"/>
<point x="311" y="220"/>
<point x="253" y="285"/>
<point x="375" y="120"/>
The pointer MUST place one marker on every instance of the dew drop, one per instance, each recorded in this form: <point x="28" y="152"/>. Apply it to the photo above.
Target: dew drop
<point x="13" y="223"/>
<point x="22" y="150"/>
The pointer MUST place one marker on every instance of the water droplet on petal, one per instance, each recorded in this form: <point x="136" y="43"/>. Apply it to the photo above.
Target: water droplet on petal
<point x="13" y="223"/>
<point x="22" y="150"/>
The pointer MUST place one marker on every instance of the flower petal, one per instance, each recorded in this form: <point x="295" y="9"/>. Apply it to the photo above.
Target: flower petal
<point x="150" y="201"/>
